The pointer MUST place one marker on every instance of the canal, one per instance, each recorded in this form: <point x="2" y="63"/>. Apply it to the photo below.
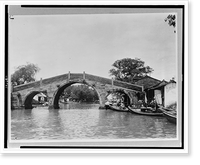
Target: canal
<point x="86" y="121"/>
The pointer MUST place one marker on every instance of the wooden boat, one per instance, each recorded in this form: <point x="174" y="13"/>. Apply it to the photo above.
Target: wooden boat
<point x="63" y="102"/>
<point x="146" y="109"/>
<point x="169" y="114"/>
<point x="140" y="111"/>
<point x="118" y="108"/>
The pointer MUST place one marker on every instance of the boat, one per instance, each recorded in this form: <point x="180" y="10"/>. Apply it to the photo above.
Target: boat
<point x="118" y="108"/>
<point x="63" y="102"/>
<point x="169" y="114"/>
<point x="144" y="111"/>
<point x="147" y="109"/>
<point x="170" y="117"/>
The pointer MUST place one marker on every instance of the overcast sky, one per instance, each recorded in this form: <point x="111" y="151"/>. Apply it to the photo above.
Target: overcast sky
<point x="91" y="43"/>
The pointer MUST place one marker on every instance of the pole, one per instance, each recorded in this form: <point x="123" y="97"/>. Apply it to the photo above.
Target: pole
<point x="68" y="75"/>
<point x="83" y="75"/>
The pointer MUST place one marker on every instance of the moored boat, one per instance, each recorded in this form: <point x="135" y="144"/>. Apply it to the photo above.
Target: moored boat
<point x="147" y="109"/>
<point x="147" y="112"/>
<point x="118" y="108"/>
<point x="64" y="102"/>
<point x="169" y="114"/>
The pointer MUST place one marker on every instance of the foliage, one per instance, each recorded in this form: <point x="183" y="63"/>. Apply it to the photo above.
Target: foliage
<point x="129" y="70"/>
<point x="24" y="74"/>
<point x="80" y="93"/>
<point x="171" y="19"/>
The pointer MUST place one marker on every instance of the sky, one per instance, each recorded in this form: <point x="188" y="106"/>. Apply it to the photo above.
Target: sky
<point x="92" y="43"/>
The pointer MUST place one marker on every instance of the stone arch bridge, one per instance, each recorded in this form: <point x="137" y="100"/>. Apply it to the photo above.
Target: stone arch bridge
<point x="54" y="86"/>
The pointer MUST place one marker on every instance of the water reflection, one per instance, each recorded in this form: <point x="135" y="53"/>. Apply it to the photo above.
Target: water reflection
<point x="86" y="121"/>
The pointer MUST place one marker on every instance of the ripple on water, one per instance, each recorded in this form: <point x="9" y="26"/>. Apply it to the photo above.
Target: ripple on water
<point x="87" y="123"/>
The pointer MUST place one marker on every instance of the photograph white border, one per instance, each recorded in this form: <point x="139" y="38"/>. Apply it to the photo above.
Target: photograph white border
<point x="185" y="150"/>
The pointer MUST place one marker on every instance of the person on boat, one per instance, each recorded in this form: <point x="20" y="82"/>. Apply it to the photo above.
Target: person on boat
<point x="140" y="103"/>
<point x="107" y="104"/>
<point x="154" y="105"/>
<point x="45" y="104"/>
<point x="119" y="102"/>
<point x="122" y="106"/>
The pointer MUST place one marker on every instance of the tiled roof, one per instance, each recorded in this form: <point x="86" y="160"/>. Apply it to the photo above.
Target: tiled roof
<point x="161" y="84"/>
<point x="147" y="82"/>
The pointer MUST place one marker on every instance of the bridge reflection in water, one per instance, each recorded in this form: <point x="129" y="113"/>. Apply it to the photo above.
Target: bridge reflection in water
<point x="86" y="121"/>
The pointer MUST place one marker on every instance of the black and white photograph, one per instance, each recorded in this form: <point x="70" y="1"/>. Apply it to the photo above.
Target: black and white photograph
<point x="95" y="76"/>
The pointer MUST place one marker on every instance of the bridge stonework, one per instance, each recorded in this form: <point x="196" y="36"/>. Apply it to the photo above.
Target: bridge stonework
<point x="54" y="86"/>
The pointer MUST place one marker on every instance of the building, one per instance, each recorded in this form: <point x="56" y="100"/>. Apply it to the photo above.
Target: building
<point x="170" y="94"/>
<point x="147" y="82"/>
<point x="164" y="93"/>
<point x="157" y="92"/>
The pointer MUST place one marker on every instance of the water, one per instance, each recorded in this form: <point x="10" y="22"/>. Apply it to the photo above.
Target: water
<point x="86" y="121"/>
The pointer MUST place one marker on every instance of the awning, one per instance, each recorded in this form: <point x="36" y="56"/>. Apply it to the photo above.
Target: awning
<point x="161" y="84"/>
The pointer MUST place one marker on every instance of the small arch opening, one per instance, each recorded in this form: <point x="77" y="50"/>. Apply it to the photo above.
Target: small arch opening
<point x="118" y="97"/>
<point x="35" y="98"/>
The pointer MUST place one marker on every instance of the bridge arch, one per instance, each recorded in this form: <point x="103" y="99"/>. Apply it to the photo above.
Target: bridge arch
<point x="127" y="96"/>
<point x="29" y="97"/>
<point x="57" y="94"/>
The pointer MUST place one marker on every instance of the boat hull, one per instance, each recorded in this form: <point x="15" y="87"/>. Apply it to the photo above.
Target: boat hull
<point x="62" y="102"/>
<point x="139" y="112"/>
<point x="170" y="118"/>
<point x="169" y="115"/>
<point x="115" y="108"/>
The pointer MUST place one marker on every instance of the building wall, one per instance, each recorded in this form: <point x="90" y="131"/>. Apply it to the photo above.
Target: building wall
<point x="170" y="94"/>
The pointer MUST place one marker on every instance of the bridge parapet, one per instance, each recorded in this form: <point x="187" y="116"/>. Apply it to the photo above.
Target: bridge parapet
<point x="35" y="84"/>
<point x="114" y="82"/>
<point x="98" y="79"/>
<point x="75" y="76"/>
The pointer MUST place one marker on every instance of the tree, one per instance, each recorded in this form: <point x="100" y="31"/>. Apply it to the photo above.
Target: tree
<point x="171" y="20"/>
<point x="24" y="74"/>
<point x="129" y="70"/>
<point x="81" y="93"/>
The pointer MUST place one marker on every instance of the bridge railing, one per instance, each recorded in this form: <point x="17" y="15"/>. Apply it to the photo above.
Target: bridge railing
<point x="73" y="76"/>
<point x="37" y="84"/>
<point x="34" y="84"/>
<point x="76" y="76"/>
<point x="98" y="79"/>
<point x="115" y="82"/>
